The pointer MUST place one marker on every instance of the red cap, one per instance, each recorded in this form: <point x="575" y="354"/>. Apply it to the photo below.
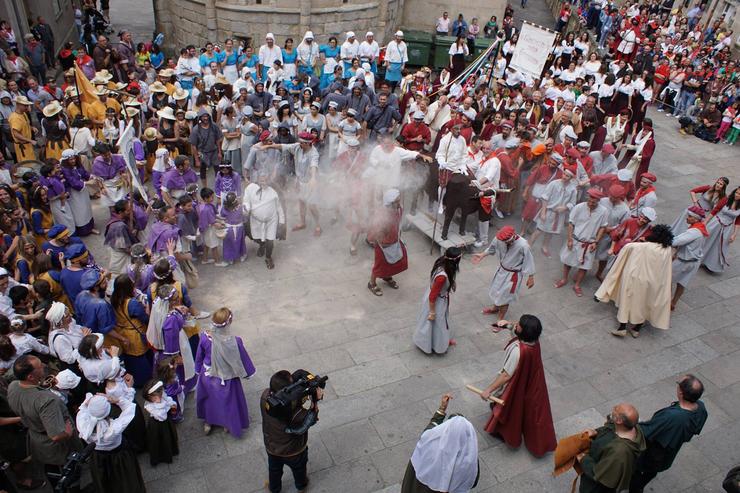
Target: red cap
<point x="697" y="211"/>
<point x="264" y="135"/>
<point x="505" y="233"/>
<point x="617" y="192"/>
<point x="573" y="153"/>
<point x="649" y="176"/>
<point x="570" y="168"/>
<point x="507" y="123"/>
<point x="595" y="193"/>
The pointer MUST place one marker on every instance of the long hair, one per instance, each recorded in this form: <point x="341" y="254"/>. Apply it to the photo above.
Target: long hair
<point x="123" y="289"/>
<point x="662" y="235"/>
<point x="733" y="204"/>
<point x="450" y="262"/>
<point x="718" y="195"/>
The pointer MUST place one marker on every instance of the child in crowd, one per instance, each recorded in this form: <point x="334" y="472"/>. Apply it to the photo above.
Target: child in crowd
<point x="234" y="247"/>
<point x="207" y="225"/>
<point x="161" y="431"/>
<point x="167" y="372"/>
<point x="227" y="181"/>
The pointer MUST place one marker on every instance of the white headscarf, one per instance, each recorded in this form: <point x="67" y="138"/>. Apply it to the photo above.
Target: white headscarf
<point x="446" y="456"/>
<point x="55" y="314"/>
<point x="91" y="418"/>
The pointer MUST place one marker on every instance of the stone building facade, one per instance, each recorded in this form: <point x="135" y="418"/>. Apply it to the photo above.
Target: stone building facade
<point x="59" y="14"/>
<point x="196" y="21"/>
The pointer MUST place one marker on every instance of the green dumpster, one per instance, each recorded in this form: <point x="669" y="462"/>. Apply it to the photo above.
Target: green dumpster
<point x="418" y="46"/>
<point x="481" y="45"/>
<point x="442" y="50"/>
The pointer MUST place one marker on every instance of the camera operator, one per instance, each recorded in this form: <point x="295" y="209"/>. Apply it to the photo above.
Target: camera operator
<point x="285" y="428"/>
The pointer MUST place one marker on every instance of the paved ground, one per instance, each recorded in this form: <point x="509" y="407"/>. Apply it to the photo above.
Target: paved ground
<point x="314" y="311"/>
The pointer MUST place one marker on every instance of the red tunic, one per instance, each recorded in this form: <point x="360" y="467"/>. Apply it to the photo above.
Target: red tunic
<point x="543" y="175"/>
<point x="627" y="232"/>
<point x="385" y="231"/>
<point x="413" y="130"/>
<point x="527" y="406"/>
<point x="609" y="179"/>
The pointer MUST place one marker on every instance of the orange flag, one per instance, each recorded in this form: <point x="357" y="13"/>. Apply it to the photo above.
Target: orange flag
<point x="84" y="86"/>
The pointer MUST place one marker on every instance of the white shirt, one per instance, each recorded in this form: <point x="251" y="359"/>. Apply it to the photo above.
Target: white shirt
<point x="110" y="438"/>
<point x="385" y="167"/>
<point x="63" y="343"/>
<point x="267" y="55"/>
<point x="396" y="52"/>
<point x="308" y="53"/>
<point x="451" y="152"/>
<point x="443" y="25"/>
<point x="190" y="64"/>
<point x="100" y="370"/>
<point x="160" y="410"/>
<point x="25" y="343"/>
<point x="369" y="50"/>
<point x="458" y="50"/>
<point x="349" y="50"/>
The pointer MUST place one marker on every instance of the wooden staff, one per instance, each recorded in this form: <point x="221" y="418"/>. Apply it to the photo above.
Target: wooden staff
<point x="491" y="398"/>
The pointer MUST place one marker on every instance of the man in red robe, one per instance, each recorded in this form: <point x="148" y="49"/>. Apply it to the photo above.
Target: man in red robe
<point x="390" y="252"/>
<point x="632" y="229"/>
<point x="521" y="385"/>
<point x="623" y="178"/>
<point x="643" y="143"/>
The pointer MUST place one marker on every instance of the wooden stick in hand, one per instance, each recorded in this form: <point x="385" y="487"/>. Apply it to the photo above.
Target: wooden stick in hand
<point x="479" y="392"/>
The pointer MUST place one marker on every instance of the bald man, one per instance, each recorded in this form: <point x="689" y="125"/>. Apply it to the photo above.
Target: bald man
<point x="610" y="462"/>
<point x="668" y="430"/>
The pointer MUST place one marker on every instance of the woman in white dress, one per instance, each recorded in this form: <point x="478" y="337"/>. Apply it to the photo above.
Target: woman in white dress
<point x="722" y="228"/>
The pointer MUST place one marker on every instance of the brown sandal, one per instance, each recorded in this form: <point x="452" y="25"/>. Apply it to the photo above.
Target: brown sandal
<point x="375" y="289"/>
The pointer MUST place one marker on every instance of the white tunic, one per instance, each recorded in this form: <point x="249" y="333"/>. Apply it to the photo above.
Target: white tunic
<point x="100" y="370"/>
<point x="516" y="263"/>
<point x="63" y="343"/>
<point x="603" y="165"/>
<point x="265" y="211"/>
<point x="586" y="225"/>
<point x="385" y="167"/>
<point x="557" y="195"/>
<point x="647" y="200"/>
<point x="617" y="214"/>
<point x="451" y="152"/>
<point x="690" y="250"/>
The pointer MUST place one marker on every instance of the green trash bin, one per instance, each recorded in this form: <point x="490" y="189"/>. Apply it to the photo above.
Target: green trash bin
<point x="442" y="50"/>
<point x="481" y="45"/>
<point x="418" y="47"/>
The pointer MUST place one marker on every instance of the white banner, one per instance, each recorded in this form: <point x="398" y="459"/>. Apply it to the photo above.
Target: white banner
<point x="126" y="149"/>
<point x="532" y="49"/>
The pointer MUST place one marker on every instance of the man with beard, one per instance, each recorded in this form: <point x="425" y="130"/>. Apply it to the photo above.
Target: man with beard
<point x="205" y="145"/>
<point x="521" y="385"/>
<point x="381" y="117"/>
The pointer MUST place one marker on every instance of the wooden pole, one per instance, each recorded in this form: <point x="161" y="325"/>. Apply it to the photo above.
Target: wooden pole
<point x="491" y="398"/>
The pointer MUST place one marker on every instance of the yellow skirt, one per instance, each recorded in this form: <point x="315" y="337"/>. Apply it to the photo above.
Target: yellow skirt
<point x="54" y="149"/>
<point x="24" y="152"/>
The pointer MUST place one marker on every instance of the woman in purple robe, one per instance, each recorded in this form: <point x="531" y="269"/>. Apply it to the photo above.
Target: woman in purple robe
<point x="221" y="363"/>
<point x="234" y="246"/>
<point x="76" y="178"/>
<point x="167" y="335"/>
<point x="51" y="177"/>
<point x="141" y="270"/>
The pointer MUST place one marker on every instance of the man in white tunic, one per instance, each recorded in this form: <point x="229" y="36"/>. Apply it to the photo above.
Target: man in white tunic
<point x="689" y="247"/>
<point x="618" y="213"/>
<point x="268" y="53"/>
<point x="645" y="195"/>
<point x="262" y="204"/>
<point x="604" y="161"/>
<point x="487" y="171"/>
<point x="515" y="263"/>
<point x="384" y="170"/>
<point x="556" y="201"/>
<point x="306" y="159"/>
<point x="586" y="225"/>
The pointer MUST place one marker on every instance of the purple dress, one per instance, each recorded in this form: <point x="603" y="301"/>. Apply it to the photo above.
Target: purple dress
<point x="62" y="214"/>
<point x="227" y="183"/>
<point x="171" y="328"/>
<point x="218" y="402"/>
<point x="176" y="182"/>
<point x="234" y="246"/>
<point x="79" y="198"/>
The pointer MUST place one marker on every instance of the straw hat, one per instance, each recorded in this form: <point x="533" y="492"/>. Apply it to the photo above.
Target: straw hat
<point x="99" y="81"/>
<point x="101" y="90"/>
<point x="221" y="79"/>
<point x="157" y="87"/>
<point x="52" y="109"/>
<point x="150" y="134"/>
<point x="179" y="94"/>
<point x="166" y="72"/>
<point x="23" y="100"/>
<point x="120" y="86"/>
<point x="132" y="112"/>
<point x="104" y="74"/>
<point x="167" y="113"/>
<point x="70" y="73"/>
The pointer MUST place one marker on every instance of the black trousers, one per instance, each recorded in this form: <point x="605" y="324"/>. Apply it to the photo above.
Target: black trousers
<point x="654" y="460"/>
<point x="297" y="464"/>
<point x="458" y="196"/>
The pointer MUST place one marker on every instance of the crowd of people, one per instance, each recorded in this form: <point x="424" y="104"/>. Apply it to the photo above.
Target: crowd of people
<point x="223" y="142"/>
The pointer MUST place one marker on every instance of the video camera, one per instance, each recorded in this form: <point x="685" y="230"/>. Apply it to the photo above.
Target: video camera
<point x="71" y="470"/>
<point x="304" y="384"/>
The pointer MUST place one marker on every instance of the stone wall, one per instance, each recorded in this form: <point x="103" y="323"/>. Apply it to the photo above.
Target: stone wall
<point x="184" y="21"/>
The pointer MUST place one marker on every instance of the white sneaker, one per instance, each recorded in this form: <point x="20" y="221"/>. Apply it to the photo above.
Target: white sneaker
<point x="206" y="428"/>
<point x="221" y="264"/>
<point x="478" y="244"/>
<point x="499" y="214"/>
